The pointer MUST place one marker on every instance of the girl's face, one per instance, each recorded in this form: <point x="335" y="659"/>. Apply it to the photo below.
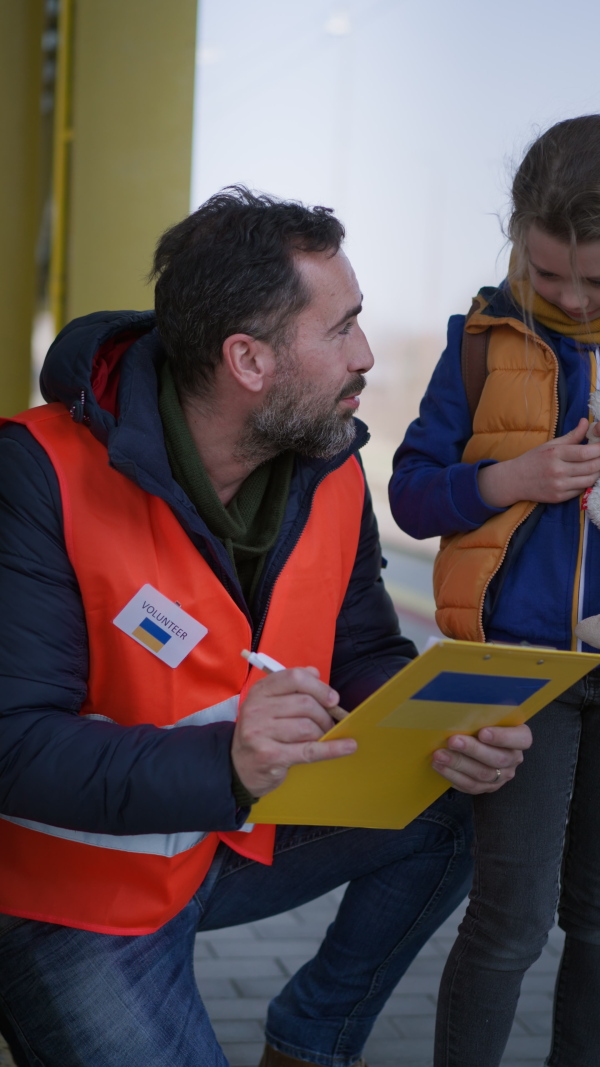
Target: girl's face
<point x="573" y="286"/>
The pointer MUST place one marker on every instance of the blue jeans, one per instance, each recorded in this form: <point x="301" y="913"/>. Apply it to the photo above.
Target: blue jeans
<point x="545" y="821"/>
<point x="71" y="998"/>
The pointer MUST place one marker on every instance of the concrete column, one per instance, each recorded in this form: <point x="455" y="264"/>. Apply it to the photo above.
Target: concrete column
<point x="130" y="167"/>
<point x="21" y="24"/>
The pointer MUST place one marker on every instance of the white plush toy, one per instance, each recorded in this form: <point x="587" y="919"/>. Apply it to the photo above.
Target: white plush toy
<point x="588" y="630"/>
<point x="592" y="497"/>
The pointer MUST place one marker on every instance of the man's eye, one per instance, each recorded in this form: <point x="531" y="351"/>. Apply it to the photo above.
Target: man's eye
<point x="347" y="327"/>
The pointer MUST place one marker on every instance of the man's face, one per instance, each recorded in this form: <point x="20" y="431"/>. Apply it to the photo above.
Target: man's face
<point x="319" y="377"/>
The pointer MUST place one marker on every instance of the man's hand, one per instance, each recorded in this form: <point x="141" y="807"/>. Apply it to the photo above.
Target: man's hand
<point x="549" y="474"/>
<point x="280" y="723"/>
<point x="470" y="763"/>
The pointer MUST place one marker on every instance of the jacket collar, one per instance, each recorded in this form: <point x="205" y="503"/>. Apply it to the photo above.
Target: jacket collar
<point x="497" y="307"/>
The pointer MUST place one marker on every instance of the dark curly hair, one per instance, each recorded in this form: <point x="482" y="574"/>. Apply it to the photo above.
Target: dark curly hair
<point x="229" y="268"/>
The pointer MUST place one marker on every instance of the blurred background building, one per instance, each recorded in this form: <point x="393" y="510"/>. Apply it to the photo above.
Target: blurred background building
<point x="97" y="126"/>
<point x="405" y="116"/>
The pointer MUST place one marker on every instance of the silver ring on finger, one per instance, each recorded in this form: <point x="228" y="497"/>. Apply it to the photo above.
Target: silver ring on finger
<point x="497" y="778"/>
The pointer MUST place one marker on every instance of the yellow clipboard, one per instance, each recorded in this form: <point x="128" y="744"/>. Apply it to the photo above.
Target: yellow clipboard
<point x="454" y="687"/>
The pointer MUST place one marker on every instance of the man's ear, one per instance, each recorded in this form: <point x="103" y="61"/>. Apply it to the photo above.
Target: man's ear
<point x="249" y="361"/>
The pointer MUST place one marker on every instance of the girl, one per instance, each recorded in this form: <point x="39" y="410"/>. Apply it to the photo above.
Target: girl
<point x="520" y="562"/>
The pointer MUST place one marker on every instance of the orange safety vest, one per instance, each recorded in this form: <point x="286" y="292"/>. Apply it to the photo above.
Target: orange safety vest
<point x="119" y="538"/>
<point x="518" y="410"/>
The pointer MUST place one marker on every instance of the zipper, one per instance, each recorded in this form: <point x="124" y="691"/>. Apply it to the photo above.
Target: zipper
<point x="77" y="410"/>
<point x="586" y="526"/>
<point x="581" y="586"/>
<point x="500" y="562"/>
<point x="542" y="344"/>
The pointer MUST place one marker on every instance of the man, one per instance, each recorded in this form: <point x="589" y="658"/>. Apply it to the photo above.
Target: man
<point x="193" y="489"/>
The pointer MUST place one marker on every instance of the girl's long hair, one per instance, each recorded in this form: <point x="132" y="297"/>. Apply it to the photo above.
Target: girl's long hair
<point x="557" y="187"/>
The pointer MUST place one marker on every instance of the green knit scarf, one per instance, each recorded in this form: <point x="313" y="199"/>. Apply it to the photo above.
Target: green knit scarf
<point x="248" y="527"/>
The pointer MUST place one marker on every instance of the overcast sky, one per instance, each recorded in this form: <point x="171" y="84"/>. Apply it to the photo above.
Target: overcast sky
<point x="404" y="115"/>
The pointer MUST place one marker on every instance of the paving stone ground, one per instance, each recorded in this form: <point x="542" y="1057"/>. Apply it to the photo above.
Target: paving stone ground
<point x="239" y="969"/>
<point x="6" y="1059"/>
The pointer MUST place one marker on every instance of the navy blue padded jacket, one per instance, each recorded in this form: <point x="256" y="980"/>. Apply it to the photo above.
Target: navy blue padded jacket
<point x="58" y="768"/>
<point x="432" y="492"/>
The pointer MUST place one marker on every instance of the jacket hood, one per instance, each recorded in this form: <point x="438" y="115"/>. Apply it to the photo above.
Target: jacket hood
<point x="82" y="368"/>
<point x="103" y="369"/>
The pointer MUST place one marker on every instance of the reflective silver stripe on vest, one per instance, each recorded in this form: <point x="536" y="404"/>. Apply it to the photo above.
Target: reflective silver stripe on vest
<point x="226" y="711"/>
<point x="148" y="844"/>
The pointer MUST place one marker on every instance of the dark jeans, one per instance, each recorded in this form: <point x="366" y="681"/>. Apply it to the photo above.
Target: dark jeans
<point x="523" y="843"/>
<point x="71" y="998"/>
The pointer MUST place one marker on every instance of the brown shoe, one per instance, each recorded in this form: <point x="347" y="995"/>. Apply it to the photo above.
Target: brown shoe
<point x="272" y="1058"/>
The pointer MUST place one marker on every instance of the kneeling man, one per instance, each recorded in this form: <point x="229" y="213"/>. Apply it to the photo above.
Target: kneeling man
<point x="191" y="489"/>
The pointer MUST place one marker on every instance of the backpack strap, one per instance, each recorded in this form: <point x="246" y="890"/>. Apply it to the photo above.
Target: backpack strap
<point x="473" y="361"/>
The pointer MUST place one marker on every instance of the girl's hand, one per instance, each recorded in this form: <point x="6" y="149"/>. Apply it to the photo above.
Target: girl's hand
<point x="471" y="764"/>
<point x="549" y="474"/>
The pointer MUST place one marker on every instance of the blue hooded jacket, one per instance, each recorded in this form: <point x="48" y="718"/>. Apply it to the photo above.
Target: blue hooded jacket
<point x="433" y="493"/>
<point x="56" y="767"/>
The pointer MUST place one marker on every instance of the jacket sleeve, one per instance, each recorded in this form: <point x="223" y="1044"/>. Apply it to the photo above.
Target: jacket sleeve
<point x="431" y="492"/>
<point x="369" y="648"/>
<point x="56" y="767"/>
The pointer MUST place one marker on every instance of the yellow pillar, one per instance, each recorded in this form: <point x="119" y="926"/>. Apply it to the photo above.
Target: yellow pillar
<point x="130" y="159"/>
<point x="21" y="24"/>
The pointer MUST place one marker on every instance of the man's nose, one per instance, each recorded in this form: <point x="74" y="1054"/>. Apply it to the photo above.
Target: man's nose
<point x="362" y="358"/>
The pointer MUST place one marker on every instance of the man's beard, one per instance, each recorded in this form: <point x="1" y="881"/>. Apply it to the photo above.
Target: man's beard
<point x="297" y="418"/>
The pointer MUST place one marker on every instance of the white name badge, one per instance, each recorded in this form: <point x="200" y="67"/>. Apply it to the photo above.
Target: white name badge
<point x="161" y="626"/>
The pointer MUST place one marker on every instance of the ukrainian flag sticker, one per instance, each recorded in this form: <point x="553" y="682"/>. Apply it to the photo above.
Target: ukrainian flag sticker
<point x="160" y="625"/>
